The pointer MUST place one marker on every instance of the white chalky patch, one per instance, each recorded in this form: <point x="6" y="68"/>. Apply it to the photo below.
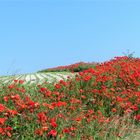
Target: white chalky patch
<point x="55" y="76"/>
<point x="63" y="76"/>
<point x="32" y="77"/>
<point x="37" y="77"/>
<point x="46" y="77"/>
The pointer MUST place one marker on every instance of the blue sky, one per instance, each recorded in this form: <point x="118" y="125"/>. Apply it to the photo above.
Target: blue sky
<point x="37" y="34"/>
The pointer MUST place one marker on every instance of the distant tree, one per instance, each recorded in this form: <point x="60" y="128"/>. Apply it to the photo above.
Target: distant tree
<point x="129" y="54"/>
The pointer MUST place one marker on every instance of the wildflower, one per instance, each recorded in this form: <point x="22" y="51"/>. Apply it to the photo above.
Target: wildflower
<point x="128" y="111"/>
<point x="63" y="83"/>
<point x="49" y="106"/>
<point x="11" y="86"/>
<point x="41" y="117"/>
<point x="114" y="110"/>
<point x="15" y="81"/>
<point x="17" y="97"/>
<point x="87" y="78"/>
<point x="83" y="97"/>
<point x="21" y="81"/>
<point x="52" y="133"/>
<point x="81" y="90"/>
<point x="119" y="99"/>
<point x="53" y="123"/>
<point x="2" y="121"/>
<point x="137" y="117"/>
<point x="39" y="132"/>
<point x="12" y="112"/>
<point x="6" y="99"/>
<point x="44" y="128"/>
<point x="66" y="130"/>
<point x="135" y="107"/>
<point x="9" y="134"/>
<point x="2" y="107"/>
<point x="57" y="86"/>
<point x="2" y="131"/>
<point x="43" y="89"/>
<point x="59" y="104"/>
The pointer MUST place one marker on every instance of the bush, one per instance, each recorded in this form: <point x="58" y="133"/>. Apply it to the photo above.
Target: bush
<point x="77" y="67"/>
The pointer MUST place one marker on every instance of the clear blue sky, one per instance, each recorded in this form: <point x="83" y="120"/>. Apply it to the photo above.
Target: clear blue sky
<point x="37" y="34"/>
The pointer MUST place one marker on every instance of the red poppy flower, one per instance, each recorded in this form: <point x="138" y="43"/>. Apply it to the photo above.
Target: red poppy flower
<point x="57" y="86"/>
<point x="114" y="110"/>
<point x="137" y="117"/>
<point x="2" y="121"/>
<point x="15" y="81"/>
<point x="53" y="123"/>
<point x="5" y="98"/>
<point x="87" y="78"/>
<point x="52" y="133"/>
<point x="21" y="81"/>
<point x="2" y="107"/>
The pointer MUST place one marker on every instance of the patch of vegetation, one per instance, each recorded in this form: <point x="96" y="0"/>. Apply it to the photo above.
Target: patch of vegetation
<point x="97" y="104"/>
<point x="77" y="67"/>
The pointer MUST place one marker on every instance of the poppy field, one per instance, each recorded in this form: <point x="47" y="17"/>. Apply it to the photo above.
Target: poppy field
<point x="100" y="103"/>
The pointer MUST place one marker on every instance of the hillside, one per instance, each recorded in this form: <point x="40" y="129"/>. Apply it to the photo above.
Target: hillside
<point x="76" y="67"/>
<point x="100" y="103"/>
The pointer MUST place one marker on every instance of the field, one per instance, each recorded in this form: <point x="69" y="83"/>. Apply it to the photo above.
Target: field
<point x="98" y="103"/>
<point x="36" y="78"/>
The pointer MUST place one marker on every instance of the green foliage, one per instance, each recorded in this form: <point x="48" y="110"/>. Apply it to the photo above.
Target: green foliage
<point x="77" y="67"/>
<point x="129" y="54"/>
